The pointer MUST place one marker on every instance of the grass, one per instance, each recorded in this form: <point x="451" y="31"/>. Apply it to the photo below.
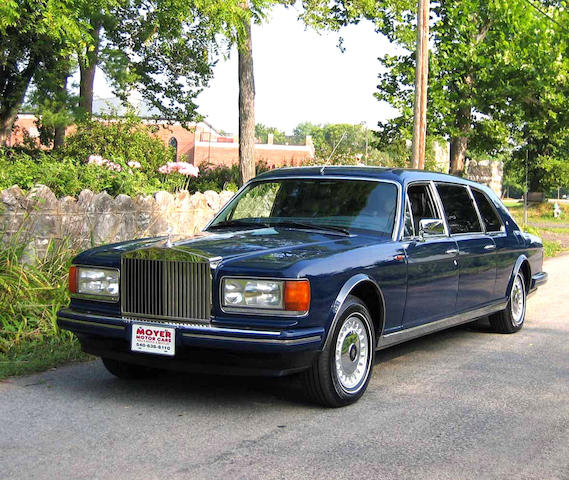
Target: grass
<point x="538" y="212"/>
<point x="32" y="290"/>
<point x="39" y="355"/>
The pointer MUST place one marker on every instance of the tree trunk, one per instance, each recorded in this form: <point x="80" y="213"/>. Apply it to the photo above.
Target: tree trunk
<point x="458" y="146"/>
<point x="246" y="108"/>
<point x="459" y="143"/>
<point x="87" y="68"/>
<point x="13" y="96"/>
<point x="6" y="123"/>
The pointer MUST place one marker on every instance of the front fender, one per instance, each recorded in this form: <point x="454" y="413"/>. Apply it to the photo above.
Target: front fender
<point x="346" y="289"/>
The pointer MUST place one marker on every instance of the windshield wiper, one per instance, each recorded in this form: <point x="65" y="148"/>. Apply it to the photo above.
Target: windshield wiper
<point x="311" y="226"/>
<point x="239" y="223"/>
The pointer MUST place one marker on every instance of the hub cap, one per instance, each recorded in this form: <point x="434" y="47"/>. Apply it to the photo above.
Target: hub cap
<point x="352" y="354"/>
<point x="517" y="301"/>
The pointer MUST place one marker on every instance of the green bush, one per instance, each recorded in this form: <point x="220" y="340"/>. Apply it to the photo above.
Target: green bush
<point x="119" y="139"/>
<point x="31" y="292"/>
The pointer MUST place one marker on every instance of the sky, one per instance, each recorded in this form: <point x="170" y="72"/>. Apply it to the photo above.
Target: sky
<point x="300" y="76"/>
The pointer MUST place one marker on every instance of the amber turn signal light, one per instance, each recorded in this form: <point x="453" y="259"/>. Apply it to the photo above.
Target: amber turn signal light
<point x="297" y="295"/>
<point x="73" y="279"/>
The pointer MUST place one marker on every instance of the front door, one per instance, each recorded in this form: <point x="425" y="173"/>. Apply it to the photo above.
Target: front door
<point x="432" y="267"/>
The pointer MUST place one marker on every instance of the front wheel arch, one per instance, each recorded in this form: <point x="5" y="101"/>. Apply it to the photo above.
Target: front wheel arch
<point x="368" y="291"/>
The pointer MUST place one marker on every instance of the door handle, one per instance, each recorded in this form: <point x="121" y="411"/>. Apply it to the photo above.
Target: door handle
<point x="490" y="247"/>
<point x="452" y="251"/>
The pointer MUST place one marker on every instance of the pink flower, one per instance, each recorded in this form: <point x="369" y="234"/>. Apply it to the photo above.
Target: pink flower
<point x="183" y="168"/>
<point x="96" y="160"/>
<point x="134" y="164"/>
<point x="188" y="169"/>
<point x="103" y="162"/>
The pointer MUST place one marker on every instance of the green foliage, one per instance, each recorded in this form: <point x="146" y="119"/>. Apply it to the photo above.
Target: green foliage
<point x="498" y="76"/>
<point x="34" y="36"/>
<point x="120" y="140"/>
<point x="31" y="291"/>
<point x="262" y="134"/>
<point x="340" y="143"/>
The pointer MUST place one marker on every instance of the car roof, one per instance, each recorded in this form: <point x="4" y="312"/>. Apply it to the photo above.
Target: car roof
<point x="398" y="175"/>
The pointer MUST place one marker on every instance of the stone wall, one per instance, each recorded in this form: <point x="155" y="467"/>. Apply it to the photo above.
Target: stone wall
<point x="93" y="219"/>
<point x="487" y="172"/>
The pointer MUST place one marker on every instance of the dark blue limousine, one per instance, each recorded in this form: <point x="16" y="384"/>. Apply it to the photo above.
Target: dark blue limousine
<point x="307" y="270"/>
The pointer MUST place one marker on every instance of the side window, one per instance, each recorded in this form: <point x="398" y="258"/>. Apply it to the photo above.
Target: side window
<point x="421" y="203"/>
<point x="487" y="212"/>
<point x="459" y="209"/>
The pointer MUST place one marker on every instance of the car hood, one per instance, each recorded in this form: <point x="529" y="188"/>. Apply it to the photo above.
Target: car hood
<point x="278" y="246"/>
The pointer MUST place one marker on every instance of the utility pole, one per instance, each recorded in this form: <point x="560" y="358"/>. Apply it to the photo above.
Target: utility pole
<point x="421" y="81"/>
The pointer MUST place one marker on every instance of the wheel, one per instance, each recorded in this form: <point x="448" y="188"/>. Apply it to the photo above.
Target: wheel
<point x="512" y="318"/>
<point x="340" y="374"/>
<point x="128" y="371"/>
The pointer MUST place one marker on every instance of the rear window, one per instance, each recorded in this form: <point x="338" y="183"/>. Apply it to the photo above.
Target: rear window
<point x="459" y="209"/>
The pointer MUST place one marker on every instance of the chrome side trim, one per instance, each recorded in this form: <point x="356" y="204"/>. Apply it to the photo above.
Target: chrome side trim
<point x="341" y="298"/>
<point x="452" y="321"/>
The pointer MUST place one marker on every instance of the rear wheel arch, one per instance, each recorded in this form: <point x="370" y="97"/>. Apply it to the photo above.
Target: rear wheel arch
<point x="522" y="265"/>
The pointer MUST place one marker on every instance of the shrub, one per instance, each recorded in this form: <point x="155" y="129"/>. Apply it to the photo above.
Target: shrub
<point x="119" y="139"/>
<point x="31" y="293"/>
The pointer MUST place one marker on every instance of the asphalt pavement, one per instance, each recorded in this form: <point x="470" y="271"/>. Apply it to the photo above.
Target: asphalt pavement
<point x="462" y="404"/>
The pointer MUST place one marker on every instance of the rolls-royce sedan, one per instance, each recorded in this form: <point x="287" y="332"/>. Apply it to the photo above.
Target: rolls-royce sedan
<point x="307" y="270"/>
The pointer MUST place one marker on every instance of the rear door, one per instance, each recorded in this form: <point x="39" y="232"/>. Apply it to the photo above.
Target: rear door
<point x="477" y="249"/>
<point x="432" y="271"/>
<point x="495" y="228"/>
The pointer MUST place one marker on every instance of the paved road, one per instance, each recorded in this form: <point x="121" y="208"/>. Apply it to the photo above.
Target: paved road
<point x="465" y="403"/>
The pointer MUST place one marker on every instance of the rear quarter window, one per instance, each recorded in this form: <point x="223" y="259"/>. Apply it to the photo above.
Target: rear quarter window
<point x="488" y="213"/>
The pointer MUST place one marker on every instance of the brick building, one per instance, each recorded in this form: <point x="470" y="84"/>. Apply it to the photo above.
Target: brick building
<point x="197" y="143"/>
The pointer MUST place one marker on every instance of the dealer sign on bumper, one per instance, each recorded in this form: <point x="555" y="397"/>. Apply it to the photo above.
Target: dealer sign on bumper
<point x="153" y="339"/>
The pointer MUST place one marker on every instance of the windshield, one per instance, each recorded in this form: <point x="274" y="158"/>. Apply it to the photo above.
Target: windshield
<point x="319" y="203"/>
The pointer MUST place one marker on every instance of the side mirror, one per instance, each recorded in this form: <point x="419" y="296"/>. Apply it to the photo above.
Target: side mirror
<point x="429" y="227"/>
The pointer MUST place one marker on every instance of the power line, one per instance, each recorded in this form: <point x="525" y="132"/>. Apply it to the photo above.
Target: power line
<point x="547" y="15"/>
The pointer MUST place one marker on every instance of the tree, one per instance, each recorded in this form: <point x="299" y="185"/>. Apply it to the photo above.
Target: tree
<point x="336" y="143"/>
<point x="262" y="134"/>
<point x="32" y="34"/>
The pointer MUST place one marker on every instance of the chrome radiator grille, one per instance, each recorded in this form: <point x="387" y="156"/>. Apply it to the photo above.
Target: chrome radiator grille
<point x="165" y="289"/>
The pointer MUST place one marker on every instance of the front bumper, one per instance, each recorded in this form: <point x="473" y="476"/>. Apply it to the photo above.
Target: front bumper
<point x="200" y="347"/>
